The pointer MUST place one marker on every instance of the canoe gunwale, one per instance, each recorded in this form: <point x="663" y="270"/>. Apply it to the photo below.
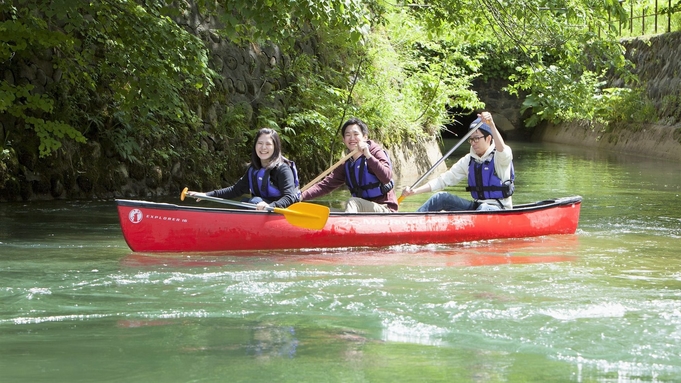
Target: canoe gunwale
<point x="539" y="205"/>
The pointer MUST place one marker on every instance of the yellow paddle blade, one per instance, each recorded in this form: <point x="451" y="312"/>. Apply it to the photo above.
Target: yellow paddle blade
<point x="305" y="215"/>
<point x="399" y="200"/>
<point x="183" y="194"/>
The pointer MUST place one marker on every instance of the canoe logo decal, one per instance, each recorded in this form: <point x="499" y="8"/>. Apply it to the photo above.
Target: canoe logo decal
<point x="135" y="215"/>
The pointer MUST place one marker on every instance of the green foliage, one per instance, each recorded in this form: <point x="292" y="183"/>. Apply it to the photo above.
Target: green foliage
<point x="283" y="22"/>
<point x="555" y="54"/>
<point x="123" y="64"/>
<point x="128" y="75"/>
<point x="123" y="140"/>
<point x="19" y="102"/>
<point x="585" y="99"/>
<point x="316" y="103"/>
<point x="411" y="78"/>
<point x="566" y="83"/>
<point x="5" y="157"/>
<point x="557" y="95"/>
<point x="626" y="105"/>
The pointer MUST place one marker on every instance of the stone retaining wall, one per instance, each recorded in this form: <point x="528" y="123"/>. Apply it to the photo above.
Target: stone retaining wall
<point x="657" y="61"/>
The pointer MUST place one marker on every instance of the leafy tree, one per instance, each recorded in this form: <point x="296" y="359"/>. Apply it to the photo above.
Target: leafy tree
<point x="285" y="22"/>
<point x="558" y="53"/>
<point x="129" y="75"/>
<point x="370" y="59"/>
<point x="126" y="71"/>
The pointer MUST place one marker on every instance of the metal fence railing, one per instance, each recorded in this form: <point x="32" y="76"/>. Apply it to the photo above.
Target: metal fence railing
<point x="650" y="17"/>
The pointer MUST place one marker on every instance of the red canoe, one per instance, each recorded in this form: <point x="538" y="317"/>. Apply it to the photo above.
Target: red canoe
<point x="162" y="227"/>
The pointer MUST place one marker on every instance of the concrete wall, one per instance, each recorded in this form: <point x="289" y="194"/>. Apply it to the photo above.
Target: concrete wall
<point x="651" y="140"/>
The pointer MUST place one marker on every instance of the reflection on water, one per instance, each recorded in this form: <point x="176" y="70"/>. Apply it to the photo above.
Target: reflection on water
<point x="557" y="248"/>
<point x="602" y="305"/>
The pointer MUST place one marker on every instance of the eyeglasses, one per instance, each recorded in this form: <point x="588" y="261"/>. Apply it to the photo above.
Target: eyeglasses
<point x="475" y="139"/>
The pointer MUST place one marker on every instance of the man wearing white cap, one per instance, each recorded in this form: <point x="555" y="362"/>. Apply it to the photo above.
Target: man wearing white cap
<point x="488" y="168"/>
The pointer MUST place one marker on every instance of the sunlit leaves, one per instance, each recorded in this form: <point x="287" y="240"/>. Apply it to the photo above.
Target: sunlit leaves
<point x="114" y="55"/>
<point x="557" y="52"/>
<point x="282" y="22"/>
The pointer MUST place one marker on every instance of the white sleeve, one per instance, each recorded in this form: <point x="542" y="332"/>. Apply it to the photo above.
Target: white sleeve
<point x="502" y="163"/>
<point x="454" y="175"/>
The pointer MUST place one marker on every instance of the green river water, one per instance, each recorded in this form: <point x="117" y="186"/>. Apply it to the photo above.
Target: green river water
<point x="603" y="305"/>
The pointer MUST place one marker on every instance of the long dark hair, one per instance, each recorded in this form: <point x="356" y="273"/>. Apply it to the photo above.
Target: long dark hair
<point x="275" y="158"/>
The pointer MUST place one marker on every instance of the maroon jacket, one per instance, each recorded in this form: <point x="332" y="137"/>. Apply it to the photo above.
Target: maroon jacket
<point x="379" y="165"/>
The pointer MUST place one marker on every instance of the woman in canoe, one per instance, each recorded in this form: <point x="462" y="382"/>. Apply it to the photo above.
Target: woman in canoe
<point x="488" y="168"/>
<point x="271" y="179"/>
<point x="368" y="173"/>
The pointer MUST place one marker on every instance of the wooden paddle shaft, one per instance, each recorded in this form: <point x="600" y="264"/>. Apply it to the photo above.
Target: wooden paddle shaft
<point x="329" y="170"/>
<point x="228" y="202"/>
<point x="301" y="214"/>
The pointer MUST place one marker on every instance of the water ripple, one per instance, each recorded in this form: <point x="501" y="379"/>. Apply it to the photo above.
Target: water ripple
<point x="608" y="310"/>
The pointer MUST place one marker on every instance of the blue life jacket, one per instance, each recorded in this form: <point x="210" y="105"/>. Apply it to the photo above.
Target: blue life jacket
<point x="261" y="185"/>
<point x="484" y="183"/>
<point x="362" y="183"/>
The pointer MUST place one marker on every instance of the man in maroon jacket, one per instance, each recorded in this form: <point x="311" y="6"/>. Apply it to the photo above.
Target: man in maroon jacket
<point x="368" y="174"/>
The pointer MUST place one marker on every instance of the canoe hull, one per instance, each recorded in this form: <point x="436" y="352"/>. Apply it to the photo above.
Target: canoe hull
<point x="161" y="227"/>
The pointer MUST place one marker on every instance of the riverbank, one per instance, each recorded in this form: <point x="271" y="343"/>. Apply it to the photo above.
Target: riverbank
<point x="650" y="140"/>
